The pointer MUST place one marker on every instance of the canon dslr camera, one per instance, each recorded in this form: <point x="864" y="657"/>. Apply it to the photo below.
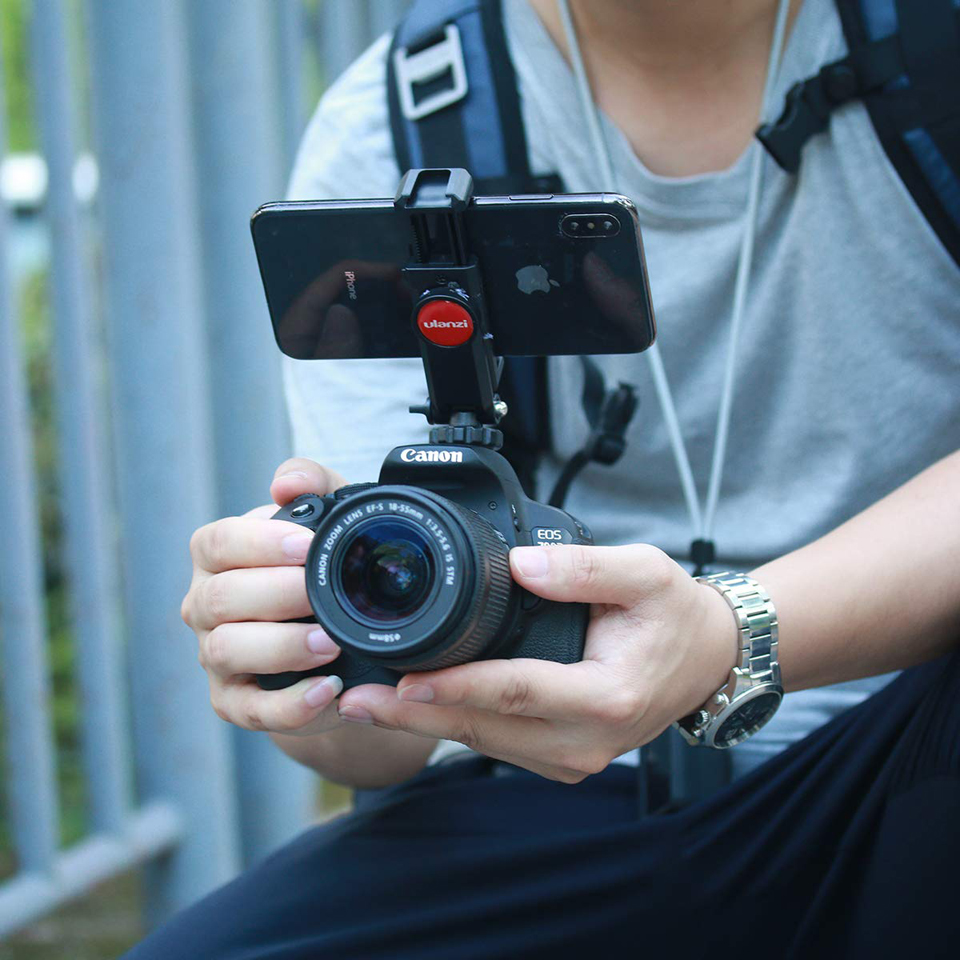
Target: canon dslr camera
<point x="412" y="573"/>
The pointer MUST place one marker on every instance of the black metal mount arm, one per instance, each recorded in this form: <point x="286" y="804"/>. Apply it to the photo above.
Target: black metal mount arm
<point x="449" y="312"/>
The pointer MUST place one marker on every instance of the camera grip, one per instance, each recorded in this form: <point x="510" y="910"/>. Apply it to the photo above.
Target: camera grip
<point x="280" y="681"/>
<point x="556" y="633"/>
<point x="349" y="668"/>
<point x="306" y="510"/>
<point x="295" y="512"/>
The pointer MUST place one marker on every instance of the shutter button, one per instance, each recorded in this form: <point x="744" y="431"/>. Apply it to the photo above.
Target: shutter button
<point x="302" y="510"/>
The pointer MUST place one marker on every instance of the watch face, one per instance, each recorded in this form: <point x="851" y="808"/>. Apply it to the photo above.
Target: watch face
<point x="747" y="720"/>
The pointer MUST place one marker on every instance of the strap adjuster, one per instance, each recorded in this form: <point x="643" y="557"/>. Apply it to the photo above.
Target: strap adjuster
<point x="806" y="112"/>
<point x="810" y="102"/>
<point x="428" y="65"/>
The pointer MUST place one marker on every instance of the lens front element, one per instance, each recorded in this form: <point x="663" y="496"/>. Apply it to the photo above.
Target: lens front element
<point x="386" y="572"/>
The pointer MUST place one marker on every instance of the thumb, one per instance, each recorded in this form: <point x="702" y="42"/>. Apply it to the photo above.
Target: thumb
<point x="298" y="476"/>
<point x="617" y="575"/>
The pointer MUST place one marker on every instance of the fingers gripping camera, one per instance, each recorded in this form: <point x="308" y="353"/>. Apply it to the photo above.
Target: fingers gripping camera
<point x="412" y="573"/>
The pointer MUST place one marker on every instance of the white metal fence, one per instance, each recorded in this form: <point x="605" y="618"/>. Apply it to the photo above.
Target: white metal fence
<point x="168" y="414"/>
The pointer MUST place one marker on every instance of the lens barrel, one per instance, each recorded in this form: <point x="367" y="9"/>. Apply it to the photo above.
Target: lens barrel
<point x="410" y="579"/>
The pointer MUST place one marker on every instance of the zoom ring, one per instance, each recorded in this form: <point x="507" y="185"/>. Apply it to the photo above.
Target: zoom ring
<point x="484" y="619"/>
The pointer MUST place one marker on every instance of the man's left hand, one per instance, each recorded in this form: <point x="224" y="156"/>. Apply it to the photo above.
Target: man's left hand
<point x="658" y="646"/>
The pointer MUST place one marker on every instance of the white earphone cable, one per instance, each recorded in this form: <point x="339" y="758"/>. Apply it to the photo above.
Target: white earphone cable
<point x="744" y="263"/>
<point x="702" y="522"/>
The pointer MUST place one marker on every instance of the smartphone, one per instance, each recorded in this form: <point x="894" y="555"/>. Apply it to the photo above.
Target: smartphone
<point x="562" y="274"/>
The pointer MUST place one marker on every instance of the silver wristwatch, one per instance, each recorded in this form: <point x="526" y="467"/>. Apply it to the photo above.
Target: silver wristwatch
<point x="753" y="693"/>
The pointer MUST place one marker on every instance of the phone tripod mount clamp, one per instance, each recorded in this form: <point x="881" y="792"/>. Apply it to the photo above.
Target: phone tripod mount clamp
<point x="449" y="312"/>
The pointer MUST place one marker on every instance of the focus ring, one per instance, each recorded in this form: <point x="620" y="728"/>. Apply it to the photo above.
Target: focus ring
<point x="493" y="585"/>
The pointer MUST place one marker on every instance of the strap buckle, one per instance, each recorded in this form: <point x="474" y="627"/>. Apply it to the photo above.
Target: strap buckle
<point x="809" y="103"/>
<point x="428" y="66"/>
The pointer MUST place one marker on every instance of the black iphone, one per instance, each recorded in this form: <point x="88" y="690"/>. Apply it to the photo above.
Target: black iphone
<point x="562" y="274"/>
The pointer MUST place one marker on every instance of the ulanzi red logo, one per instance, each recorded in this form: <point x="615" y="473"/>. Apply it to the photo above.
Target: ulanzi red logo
<point x="445" y="323"/>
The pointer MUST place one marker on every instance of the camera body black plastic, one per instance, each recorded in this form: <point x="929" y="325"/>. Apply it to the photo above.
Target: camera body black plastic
<point x="465" y="508"/>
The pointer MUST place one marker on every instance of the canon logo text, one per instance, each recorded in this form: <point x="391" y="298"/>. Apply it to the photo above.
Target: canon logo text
<point x="411" y="455"/>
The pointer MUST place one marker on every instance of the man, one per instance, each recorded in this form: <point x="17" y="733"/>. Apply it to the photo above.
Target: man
<point x="838" y="498"/>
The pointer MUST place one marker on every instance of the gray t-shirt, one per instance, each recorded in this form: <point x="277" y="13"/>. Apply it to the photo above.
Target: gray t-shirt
<point x="849" y="361"/>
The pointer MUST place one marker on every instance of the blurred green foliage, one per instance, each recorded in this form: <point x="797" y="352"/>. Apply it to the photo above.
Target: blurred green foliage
<point x="34" y="308"/>
<point x="65" y="706"/>
<point x="21" y="133"/>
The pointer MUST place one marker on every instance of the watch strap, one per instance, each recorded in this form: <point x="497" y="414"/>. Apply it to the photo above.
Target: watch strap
<point x="757" y="663"/>
<point x="757" y="624"/>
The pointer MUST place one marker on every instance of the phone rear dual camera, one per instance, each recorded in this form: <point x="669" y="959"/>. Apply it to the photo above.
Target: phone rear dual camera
<point x="577" y="225"/>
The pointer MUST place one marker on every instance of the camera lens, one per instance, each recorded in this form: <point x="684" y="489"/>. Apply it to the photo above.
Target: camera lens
<point x="386" y="571"/>
<point x="411" y="580"/>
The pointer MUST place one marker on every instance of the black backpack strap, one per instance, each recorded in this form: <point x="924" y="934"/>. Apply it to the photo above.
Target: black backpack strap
<point x="453" y="99"/>
<point x="904" y="63"/>
<point x="453" y="96"/>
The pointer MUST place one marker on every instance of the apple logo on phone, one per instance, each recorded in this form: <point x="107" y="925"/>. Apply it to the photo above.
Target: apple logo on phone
<point x="534" y="278"/>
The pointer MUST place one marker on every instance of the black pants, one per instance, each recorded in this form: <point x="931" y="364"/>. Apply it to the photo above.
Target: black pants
<point x="846" y="845"/>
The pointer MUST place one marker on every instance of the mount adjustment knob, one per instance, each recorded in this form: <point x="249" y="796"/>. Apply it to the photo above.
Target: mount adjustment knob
<point x="468" y="435"/>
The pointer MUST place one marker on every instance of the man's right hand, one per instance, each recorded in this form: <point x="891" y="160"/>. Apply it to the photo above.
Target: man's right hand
<point x="247" y="581"/>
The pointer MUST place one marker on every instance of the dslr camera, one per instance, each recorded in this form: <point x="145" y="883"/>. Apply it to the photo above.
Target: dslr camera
<point x="412" y="573"/>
